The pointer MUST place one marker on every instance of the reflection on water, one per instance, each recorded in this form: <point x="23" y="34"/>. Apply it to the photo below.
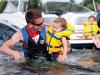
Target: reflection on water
<point x="10" y="67"/>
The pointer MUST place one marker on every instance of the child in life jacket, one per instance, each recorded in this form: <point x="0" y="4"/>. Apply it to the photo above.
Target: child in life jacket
<point x="90" y="28"/>
<point x="57" y="39"/>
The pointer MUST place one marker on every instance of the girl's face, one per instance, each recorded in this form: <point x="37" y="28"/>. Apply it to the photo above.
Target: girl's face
<point x="57" y="27"/>
<point x="91" y="20"/>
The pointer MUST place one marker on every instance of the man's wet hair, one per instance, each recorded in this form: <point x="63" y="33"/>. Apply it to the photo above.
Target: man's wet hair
<point x="32" y="14"/>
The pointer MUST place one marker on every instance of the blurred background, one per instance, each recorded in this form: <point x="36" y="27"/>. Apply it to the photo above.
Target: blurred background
<point x="12" y="19"/>
<point x="38" y="4"/>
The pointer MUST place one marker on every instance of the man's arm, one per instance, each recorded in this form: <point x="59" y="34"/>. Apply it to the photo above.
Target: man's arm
<point x="6" y="48"/>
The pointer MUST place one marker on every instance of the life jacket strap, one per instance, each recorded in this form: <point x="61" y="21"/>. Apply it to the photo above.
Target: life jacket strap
<point x="25" y="35"/>
<point x="52" y="35"/>
<point x="54" y="46"/>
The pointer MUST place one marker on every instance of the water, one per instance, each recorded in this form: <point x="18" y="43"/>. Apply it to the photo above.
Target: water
<point x="72" y="66"/>
<point x="8" y="66"/>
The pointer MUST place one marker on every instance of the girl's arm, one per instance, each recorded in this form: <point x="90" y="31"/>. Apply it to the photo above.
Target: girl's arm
<point x="61" y="58"/>
<point x="65" y="46"/>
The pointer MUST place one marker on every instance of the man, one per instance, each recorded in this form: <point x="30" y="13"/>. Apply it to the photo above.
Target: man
<point x="98" y="15"/>
<point x="32" y="36"/>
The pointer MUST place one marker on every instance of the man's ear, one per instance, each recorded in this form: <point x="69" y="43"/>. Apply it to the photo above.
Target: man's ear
<point x="29" y="25"/>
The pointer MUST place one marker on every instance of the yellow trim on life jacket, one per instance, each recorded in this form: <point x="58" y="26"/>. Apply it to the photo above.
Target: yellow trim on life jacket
<point x="53" y="42"/>
<point x="90" y="30"/>
<point x="70" y="27"/>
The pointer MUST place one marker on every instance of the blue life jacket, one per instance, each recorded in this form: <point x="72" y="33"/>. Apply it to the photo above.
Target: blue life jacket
<point x="31" y="49"/>
<point x="98" y="19"/>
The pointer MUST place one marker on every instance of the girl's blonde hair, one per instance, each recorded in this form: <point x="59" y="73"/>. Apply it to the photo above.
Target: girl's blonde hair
<point x="62" y="21"/>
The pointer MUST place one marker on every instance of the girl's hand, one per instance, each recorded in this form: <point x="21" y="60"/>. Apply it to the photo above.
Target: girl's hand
<point x="61" y="58"/>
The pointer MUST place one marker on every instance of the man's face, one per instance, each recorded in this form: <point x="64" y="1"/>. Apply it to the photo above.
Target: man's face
<point x="37" y="26"/>
<point x="98" y="7"/>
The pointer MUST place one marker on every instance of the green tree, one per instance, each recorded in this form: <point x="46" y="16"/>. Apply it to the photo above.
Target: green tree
<point x="2" y="5"/>
<point x="89" y="3"/>
<point x="34" y="4"/>
<point x="72" y="1"/>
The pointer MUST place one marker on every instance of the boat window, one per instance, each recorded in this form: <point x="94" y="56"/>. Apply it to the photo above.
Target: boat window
<point x="64" y="7"/>
<point x="6" y="32"/>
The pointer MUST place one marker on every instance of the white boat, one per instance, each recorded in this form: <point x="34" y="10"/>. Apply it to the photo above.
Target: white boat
<point x="76" y="16"/>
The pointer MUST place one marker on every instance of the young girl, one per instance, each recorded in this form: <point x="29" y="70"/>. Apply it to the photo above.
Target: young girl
<point x="57" y="39"/>
<point x="91" y="28"/>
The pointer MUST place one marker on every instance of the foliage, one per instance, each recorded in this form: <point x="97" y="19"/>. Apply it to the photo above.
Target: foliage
<point x="72" y="1"/>
<point x="34" y="4"/>
<point x="2" y="5"/>
<point x="89" y="3"/>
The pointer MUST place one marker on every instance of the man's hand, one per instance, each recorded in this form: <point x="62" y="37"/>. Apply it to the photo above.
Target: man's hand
<point x="17" y="55"/>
